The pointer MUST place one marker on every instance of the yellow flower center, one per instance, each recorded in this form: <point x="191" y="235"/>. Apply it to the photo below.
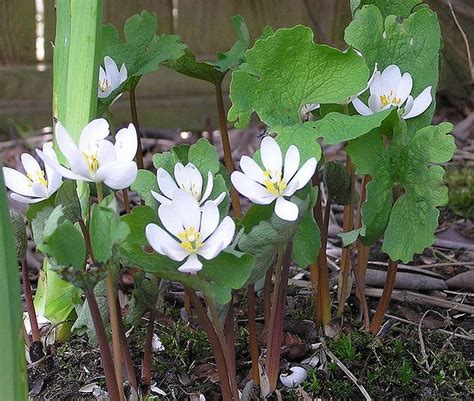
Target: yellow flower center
<point x="92" y="161"/>
<point x="190" y="240"/>
<point x="390" y="99"/>
<point x="104" y="85"/>
<point x="274" y="183"/>
<point x="38" y="176"/>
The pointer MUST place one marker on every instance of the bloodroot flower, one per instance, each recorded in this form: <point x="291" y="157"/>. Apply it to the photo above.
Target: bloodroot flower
<point x="37" y="184"/>
<point x="391" y="88"/>
<point x="277" y="181"/>
<point x="186" y="178"/>
<point x="110" y="78"/>
<point x="190" y="231"/>
<point x="97" y="159"/>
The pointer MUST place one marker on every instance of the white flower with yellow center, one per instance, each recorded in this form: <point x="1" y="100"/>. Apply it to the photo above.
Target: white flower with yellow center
<point x="390" y="88"/>
<point x="186" y="178"/>
<point x="277" y="180"/>
<point x="110" y="78"/>
<point x="190" y="231"/>
<point x="37" y="184"/>
<point x="97" y="159"/>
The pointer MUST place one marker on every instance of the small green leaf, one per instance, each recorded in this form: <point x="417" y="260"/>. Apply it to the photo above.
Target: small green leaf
<point x="166" y="160"/>
<point x="19" y="230"/>
<point x="65" y="246"/>
<point x="412" y="43"/>
<point x="67" y="198"/>
<point x="338" y="182"/>
<point x="144" y="296"/>
<point x="307" y="241"/>
<point x="143" y="185"/>
<point x="204" y="156"/>
<point x="289" y="71"/>
<point x="408" y="162"/>
<point x="236" y="55"/>
<point x="188" y="65"/>
<point x="106" y="232"/>
<point x="350" y="236"/>
<point x="45" y="222"/>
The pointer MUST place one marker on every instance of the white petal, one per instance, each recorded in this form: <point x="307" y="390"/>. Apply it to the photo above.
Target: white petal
<point x="271" y="154"/>
<point x="251" y="189"/>
<point x="126" y="143"/>
<point x="71" y="152"/>
<point x="375" y="86"/>
<point x="63" y="171"/>
<point x="408" y="106"/>
<point x="106" y="153"/>
<point x="24" y="199"/>
<point x="209" y="186"/>
<point x="220" y="198"/>
<point x="160" y="198"/>
<point x="117" y="175"/>
<point x="123" y="74"/>
<point x="187" y="209"/>
<point x="390" y="79"/>
<point x="40" y="190"/>
<point x="302" y="177"/>
<point x="251" y="169"/>
<point x="220" y="239"/>
<point x="17" y="182"/>
<point x="361" y="108"/>
<point x="195" y="179"/>
<point x="286" y="210"/>
<point x="112" y="72"/>
<point x="292" y="162"/>
<point x="297" y="376"/>
<point x="166" y="184"/>
<point x="404" y="87"/>
<point x="421" y="103"/>
<point x="30" y="164"/>
<point x="102" y="74"/>
<point x="54" y="178"/>
<point x="168" y="218"/>
<point x="92" y="134"/>
<point x="192" y="265"/>
<point x="375" y="105"/>
<point x="209" y="219"/>
<point x="163" y="243"/>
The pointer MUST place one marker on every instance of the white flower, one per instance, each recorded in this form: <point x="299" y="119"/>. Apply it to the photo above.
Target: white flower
<point x="391" y="88"/>
<point x="194" y="231"/>
<point x="297" y="376"/>
<point x="189" y="179"/>
<point x="37" y="184"/>
<point x="276" y="181"/>
<point x="110" y="78"/>
<point x="308" y="108"/>
<point x="97" y="159"/>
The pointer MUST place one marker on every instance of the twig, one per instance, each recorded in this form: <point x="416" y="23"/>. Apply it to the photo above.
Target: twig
<point x="347" y="372"/>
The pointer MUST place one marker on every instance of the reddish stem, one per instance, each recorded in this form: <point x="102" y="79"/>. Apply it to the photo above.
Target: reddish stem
<point x="147" y="353"/>
<point x="267" y="292"/>
<point x="274" y="337"/>
<point x="253" y="332"/>
<point x="30" y="306"/>
<point x="107" y="362"/>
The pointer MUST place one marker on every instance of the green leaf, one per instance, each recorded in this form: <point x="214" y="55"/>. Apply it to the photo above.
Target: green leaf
<point x="265" y="233"/>
<point x="334" y="128"/>
<point x="412" y="43"/>
<point x="292" y="71"/>
<point x="167" y="160"/>
<point x="67" y="198"/>
<point x="236" y="55"/>
<point x="45" y="222"/>
<point x="205" y="157"/>
<point x="144" y="296"/>
<point x="350" y="237"/>
<point x="188" y="65"/>
<point x="338" y="182"/>
<point x="143" y="51"/>
<point x="65" y="246"/>
<point x="402" y="8"/>
<point x="307" y="241"/>
<point x="106" y="231"/>
<point x="14" y="378"/>
<point x="19" y="230"/>
<point x="407" y="163"/>
<point x="143" y="185"/>
<point x="212" y="279"/>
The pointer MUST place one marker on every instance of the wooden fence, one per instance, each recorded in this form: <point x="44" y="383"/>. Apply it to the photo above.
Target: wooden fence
<point x="167" y="99"/>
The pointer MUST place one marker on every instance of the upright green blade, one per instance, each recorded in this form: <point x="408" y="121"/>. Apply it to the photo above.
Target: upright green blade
<point x="13" y="378"/>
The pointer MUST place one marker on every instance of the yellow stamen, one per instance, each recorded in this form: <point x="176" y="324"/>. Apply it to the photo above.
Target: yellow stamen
<point x="92" y="161"/>
<point x="104" y="85"/>
<point x="274" y="183"/>
<point x="190" y="240"/>
<point x="390" y="99"/>
<point x="38" y="176"/>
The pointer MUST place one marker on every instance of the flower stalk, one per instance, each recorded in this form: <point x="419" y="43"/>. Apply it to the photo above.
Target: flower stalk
<point x="134" y="113"/>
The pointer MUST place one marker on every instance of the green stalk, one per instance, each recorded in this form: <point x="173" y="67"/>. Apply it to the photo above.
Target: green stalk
<point x="13" y="379"/>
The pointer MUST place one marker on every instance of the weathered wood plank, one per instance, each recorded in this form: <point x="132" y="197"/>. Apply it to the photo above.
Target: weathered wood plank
<point x="17" y="32"/>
